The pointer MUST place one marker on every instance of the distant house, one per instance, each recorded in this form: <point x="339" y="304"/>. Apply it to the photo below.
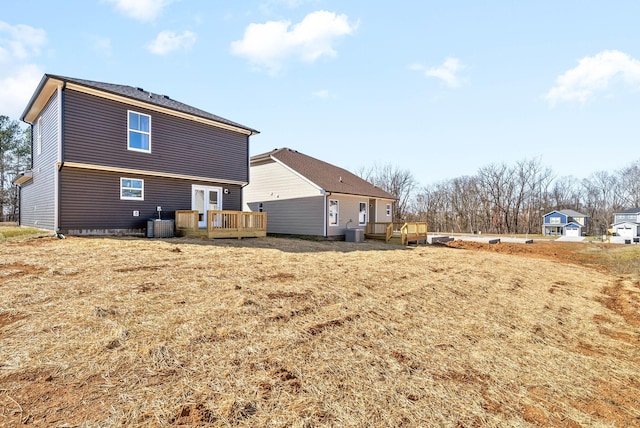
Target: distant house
<point x="306" y="196"/>
<point x="106" y="156"/>
<point x="626" y="224"/>
<point x="564" y="223"/>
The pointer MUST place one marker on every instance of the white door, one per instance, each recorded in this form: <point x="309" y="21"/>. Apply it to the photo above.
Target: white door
<point x="203" y="199"/>
<point x="626" y="232"/>
<point x="572" y="232"/>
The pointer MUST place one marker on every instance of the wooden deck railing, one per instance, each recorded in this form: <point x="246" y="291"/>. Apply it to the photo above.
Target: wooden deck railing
<point x="379" y="229"/>
<point x="187" y="220"/>
<point x="222" y="224"/>
<point x="414" y="231"/>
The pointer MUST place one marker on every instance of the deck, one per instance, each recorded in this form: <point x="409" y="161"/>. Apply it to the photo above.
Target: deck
<point x="222" y="224"/>
<point x="402" y="233"/>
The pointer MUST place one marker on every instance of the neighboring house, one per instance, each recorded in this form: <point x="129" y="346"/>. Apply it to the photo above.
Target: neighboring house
<point x="626" y="224"/>
<point x="105" y="156"/>
<point x="564" y="223"/>
<point x="306" y="196"/>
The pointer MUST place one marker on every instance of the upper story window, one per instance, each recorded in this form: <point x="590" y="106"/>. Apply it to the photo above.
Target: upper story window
<point x="132" y="188"/>
<point x="139" y="137"/>
<point x="554" y="220"/>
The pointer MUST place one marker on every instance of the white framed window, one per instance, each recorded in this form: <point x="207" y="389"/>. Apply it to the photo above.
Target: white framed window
<point x="139" y="132"/>
<point x="333" y="212"/>
<point x="39" y="137"/>
<point x="554" y="220"/>
<point x="388" y="210"/>
<point x="362" y="214"/>
<point x="132" y="189"/>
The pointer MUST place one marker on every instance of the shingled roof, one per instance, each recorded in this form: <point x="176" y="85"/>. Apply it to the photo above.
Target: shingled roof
<point x="629" y="211"/>
<point x="138" y="94"/>
<point x="329" y="177"/>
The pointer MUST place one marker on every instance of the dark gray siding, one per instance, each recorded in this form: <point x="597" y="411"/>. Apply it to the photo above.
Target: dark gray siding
<point x="37" y="196"/>
<point x="90" y="200"/>
<point x="95" y="132"/>
<point x="299" y="216"/>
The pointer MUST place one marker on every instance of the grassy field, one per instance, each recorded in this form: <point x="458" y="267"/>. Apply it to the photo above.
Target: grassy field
<point x="282" y="332"/>
<point x="10" y="231"/>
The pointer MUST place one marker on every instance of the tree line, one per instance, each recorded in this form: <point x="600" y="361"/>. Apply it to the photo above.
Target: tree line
<point x="15" y="157"/>
<point x="499" y="198"/>
<point x="507" y="199"/>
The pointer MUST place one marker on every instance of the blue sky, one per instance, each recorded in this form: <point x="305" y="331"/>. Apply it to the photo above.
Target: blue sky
<point x="441" y="88"/>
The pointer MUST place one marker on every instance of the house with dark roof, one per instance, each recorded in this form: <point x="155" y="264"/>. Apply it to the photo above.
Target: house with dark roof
<point x="306" y="196"/>
<point x="568" y="223"/>
<point x="107" y="157"/>
<point x="626" y="225"/>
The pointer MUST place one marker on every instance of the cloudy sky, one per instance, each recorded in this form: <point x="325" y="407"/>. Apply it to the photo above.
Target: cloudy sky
<point x="441" y="88"/>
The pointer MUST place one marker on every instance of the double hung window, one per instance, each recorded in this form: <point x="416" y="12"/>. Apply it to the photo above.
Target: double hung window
<point x="139" y="134"/>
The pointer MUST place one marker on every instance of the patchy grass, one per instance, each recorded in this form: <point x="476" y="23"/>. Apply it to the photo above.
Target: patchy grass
<point x="281" y="332"/>
<point x="11" y="231"/>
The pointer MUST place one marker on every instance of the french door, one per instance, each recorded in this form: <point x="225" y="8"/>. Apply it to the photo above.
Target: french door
<point x="203" y="199"/>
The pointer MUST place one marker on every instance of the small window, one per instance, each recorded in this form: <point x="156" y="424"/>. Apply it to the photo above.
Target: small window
<point x="388" y="210"/>
<point x="362" y="214"/>
<point x="333" y="212"/>
<point x="132" y="189"/>
<point x="39" y="137"/>
<point x="139" y="138"/>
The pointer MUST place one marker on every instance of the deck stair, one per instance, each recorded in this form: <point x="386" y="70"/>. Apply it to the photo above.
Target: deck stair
<point x="397" y="233"/>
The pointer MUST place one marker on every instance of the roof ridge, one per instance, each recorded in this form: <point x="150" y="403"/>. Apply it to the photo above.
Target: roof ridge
<point x="157" y="99"/>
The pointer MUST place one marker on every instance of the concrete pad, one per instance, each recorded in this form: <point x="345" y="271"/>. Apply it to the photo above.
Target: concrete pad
<point x="570" y="239"/>
<point x="433" y="239"/>
<point x="480" y="239"/>
<point x="517" y="240"/>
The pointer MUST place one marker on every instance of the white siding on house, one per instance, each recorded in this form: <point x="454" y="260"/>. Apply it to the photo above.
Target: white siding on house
<point x="381" y="211"/>
<point x="293" y="205"/>
<point x="349" y="208"/>
<point x="37" y="195"/>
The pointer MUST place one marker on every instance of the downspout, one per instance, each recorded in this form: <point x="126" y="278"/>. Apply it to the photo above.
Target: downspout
<point x="326" y="219"/>
<point x="248" y="176"/>
<point x="58" y="165"/>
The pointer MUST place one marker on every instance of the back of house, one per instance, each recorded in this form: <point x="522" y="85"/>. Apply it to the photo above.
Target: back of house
<point x="307" y="196"/>
<point x="108" y="157"/>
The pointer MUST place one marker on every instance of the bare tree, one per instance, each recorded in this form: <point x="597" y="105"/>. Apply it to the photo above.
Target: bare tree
<point x="601" y="200"/>
<point x="630" y="185"/>
<point x="399" y="182"/>
<point x="14" y="157"/>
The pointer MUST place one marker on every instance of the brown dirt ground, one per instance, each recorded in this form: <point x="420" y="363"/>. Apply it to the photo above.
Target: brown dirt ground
<point x="281" y="332"/>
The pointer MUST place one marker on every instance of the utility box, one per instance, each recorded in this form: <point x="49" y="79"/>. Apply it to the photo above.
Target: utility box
<point x="354" y="235"/>
<point x="160" y="228"/>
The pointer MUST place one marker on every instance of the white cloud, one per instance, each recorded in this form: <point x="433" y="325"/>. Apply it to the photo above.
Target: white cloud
<point x="271" y="44"/>
<point x="323" y="93"/>
<point x="447" y="72"/>
<point x="594" y="74"/>
<point x="168" y="41"/>
<point x="20" y="41"/>
<point x="142" y="10"/>
<point x="101" y="45"/>
<point x="19" y="76"/>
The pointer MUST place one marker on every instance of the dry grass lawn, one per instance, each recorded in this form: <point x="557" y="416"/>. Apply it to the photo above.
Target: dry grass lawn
<point x="280" y="332"/>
